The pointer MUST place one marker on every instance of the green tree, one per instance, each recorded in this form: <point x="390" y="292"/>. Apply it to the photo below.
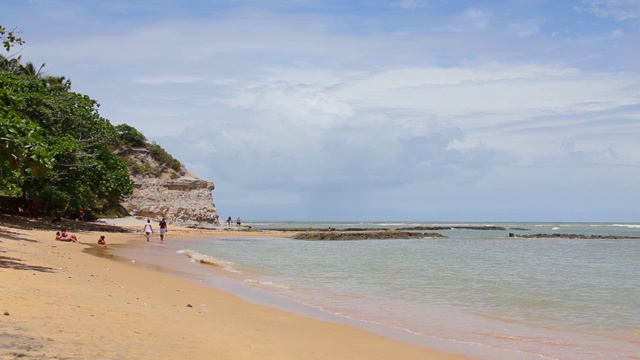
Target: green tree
<point x="129" y="135"/>
<point x="9" y="38"/>
<point x="58" y="151"/>
<point x="24" y="152"/>
<point x="15" y="66"/>
<point x="159" y="154"/>
<point x="86" y="171"/>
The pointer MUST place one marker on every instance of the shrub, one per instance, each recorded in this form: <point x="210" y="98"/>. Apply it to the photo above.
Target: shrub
<point x="163" y="157"/>
<point x="130" y="136"/>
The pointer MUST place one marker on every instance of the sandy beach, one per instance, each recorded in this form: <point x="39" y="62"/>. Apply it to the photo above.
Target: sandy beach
<point x="61" y="301"/>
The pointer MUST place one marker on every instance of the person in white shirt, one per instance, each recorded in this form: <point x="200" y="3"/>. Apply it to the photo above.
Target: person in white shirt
<point x="148" y="230"/>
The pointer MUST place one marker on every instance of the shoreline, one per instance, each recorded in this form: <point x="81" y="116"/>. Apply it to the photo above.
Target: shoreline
<point x="62" y="301"/>
<point x="167" y="259"/>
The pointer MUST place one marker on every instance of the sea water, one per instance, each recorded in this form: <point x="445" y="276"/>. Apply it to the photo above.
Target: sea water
<point x="499" y="296"/>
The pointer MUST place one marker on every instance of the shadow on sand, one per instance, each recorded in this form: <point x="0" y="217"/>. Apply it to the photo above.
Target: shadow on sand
<point x="45" y="223"/>
<point x="17" y="264"/>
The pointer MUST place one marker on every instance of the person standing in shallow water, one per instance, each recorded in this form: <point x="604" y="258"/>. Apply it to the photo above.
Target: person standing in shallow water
<point x="229" y="221"/>
<point x="238" y="221"/>
<point x="148" y="230"/>
<point x="163" y="229"/>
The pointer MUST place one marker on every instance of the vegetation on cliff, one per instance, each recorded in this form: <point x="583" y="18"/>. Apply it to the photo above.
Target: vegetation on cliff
<point x="57" y="154"/>
<point x="133" y="142"/>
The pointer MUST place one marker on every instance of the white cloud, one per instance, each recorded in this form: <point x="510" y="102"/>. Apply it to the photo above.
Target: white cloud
<point x="524" y="29"/>
<point x="411" y="4"/>
<point x="437" y="110"/>
<point x="476" y="17"/>
<point x="166" y="80"/>
<point x="617" y="9"/>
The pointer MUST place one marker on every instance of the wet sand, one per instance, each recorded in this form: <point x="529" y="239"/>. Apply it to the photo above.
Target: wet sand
<point x="74" y="301"/>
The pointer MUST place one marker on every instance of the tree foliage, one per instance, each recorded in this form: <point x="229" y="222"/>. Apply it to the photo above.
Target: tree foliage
<point x="24" y="152"/>
<point x="55" y="149"/>
<point x="9" y="38"/>
<point x="130" y="136"/>
<point x="163" y="157"/>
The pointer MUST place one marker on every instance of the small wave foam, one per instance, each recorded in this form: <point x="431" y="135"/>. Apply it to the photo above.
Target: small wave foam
<point x="207" y="260"/>
<point x="630" y="226"/>
<point x="268" y="284"/>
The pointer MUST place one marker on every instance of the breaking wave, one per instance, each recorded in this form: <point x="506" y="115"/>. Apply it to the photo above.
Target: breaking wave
<point x="208" y="260"/>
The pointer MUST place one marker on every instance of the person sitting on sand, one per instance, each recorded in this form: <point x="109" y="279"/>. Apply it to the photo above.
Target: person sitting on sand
<point x="102" y="241"/>
<point x="64" y="236"/>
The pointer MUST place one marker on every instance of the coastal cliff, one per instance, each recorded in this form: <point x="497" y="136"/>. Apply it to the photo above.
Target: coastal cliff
<point x="168" y="191"/>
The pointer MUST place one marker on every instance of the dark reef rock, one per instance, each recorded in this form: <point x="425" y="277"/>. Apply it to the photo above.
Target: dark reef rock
<point x="362" y="235"/>
<point x="454" y="227"/>
<point x="572" y="236"/>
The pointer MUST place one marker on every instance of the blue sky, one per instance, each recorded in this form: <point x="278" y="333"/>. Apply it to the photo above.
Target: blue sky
<point x="368" y="110"/>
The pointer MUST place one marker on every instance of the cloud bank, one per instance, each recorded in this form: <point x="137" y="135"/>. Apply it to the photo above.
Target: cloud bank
<point x="399" y="110"/>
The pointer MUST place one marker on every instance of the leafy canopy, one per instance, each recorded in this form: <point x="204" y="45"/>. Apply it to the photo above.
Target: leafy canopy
<point x="9" y="38"/>
<point x="55" y="149"/>
<point x="130" y="136"/>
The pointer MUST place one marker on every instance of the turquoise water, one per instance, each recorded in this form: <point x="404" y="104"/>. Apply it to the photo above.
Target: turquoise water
<point x="540" y="298"/>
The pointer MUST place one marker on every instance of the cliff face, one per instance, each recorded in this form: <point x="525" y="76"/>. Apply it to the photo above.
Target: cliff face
<point x="180" y="197"/>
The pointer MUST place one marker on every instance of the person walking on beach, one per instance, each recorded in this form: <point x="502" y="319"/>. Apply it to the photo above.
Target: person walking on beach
<point x="163" y="229"/>
<point x="148" y="230"/>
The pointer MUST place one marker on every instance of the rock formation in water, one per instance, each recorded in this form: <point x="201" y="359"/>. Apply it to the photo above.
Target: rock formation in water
<point x="362" y="235"/>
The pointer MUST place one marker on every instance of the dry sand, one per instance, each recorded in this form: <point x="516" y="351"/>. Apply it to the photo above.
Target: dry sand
<point x="60" y="302"/>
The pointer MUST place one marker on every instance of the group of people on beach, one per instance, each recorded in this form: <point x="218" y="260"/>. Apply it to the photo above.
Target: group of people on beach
<point x="65" y="236"/>
<point x="148" y="229"/>
<point x="238" y="221"/>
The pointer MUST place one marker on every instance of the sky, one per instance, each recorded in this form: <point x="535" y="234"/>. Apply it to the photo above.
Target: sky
<point x="399" y="110"/>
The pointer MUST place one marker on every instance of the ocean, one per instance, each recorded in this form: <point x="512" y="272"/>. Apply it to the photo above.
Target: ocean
<point x="479" y="292"/>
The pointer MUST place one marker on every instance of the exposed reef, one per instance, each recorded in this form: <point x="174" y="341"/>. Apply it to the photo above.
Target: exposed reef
<point x="454" y="227"/>
<point x="572" y="236"/>
<point x="361" y="235"/>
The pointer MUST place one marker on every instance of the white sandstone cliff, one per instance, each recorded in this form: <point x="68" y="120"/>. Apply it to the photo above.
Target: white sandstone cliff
<point x="182" y="200"/>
